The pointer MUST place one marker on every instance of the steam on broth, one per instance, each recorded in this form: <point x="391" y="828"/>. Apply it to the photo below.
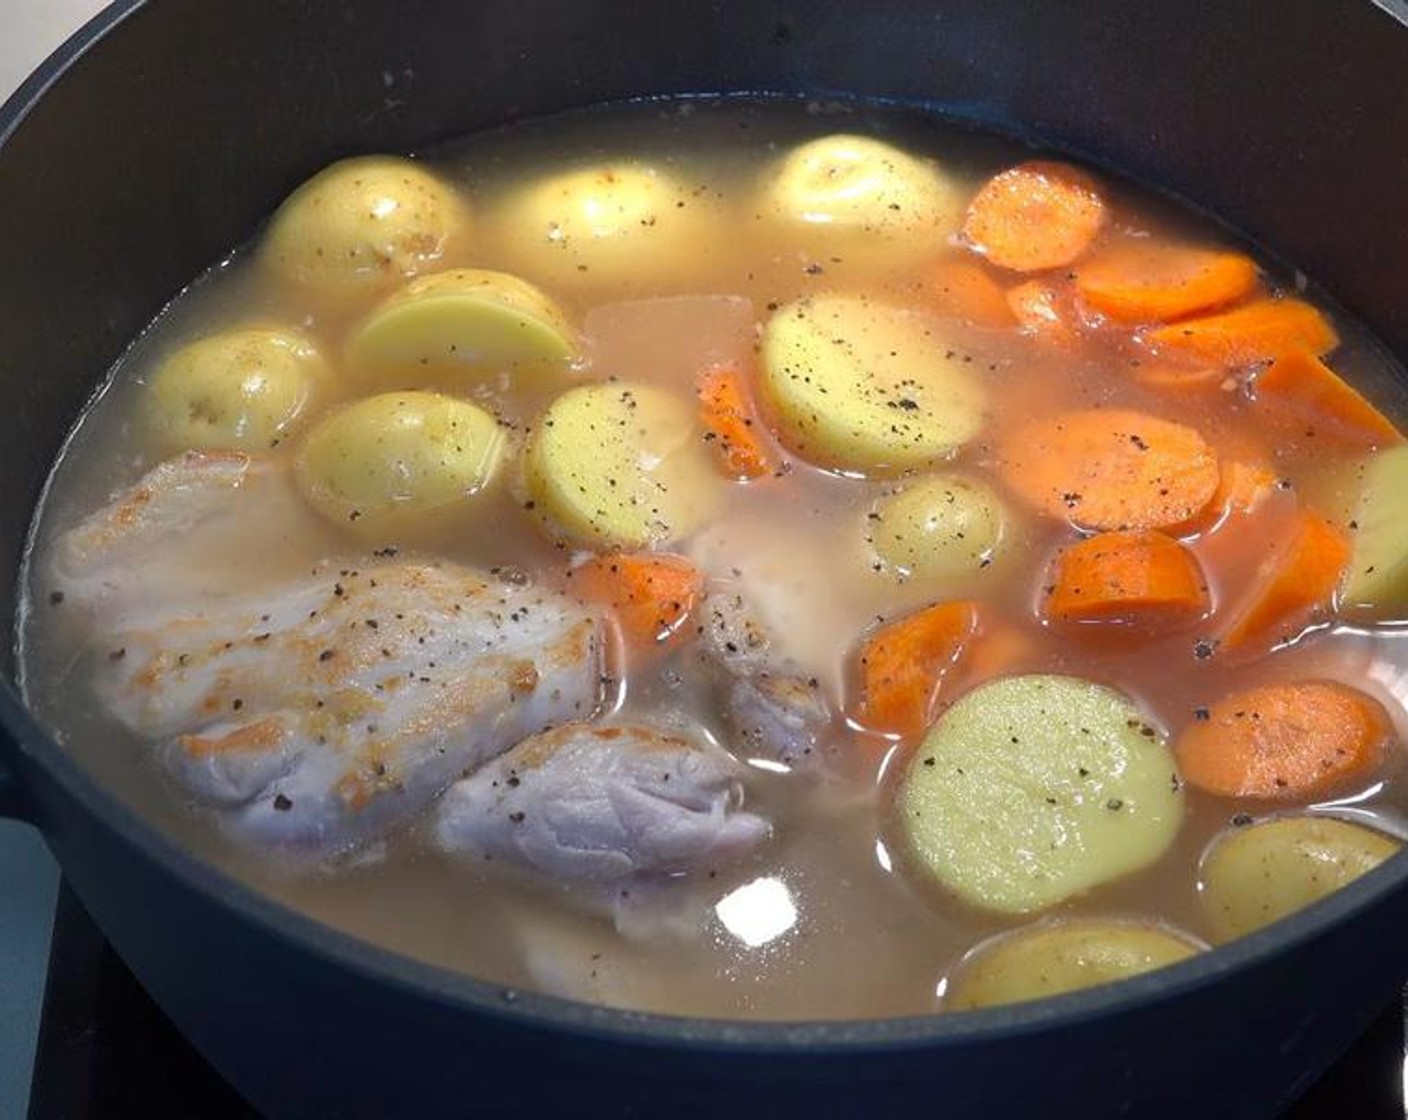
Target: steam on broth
<point x="663" y="554"/>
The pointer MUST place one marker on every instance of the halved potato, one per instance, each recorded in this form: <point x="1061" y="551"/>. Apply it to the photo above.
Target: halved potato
<point x="1255" y="875"/>
<point x="1052" y="957"/>
<point x="1377" y="579"/>
<point x="942" y="526"/>
<point x="462" y="325"/>
<point x="854" y="200"/>
<point x="620" y="465"/>
<point x="867" y="387"/>
<point x="1032" y="789"/>
<point x="395" y="460"/>
<point x="362" y="225"/>
<point x="624" y="224"/>
<point x="240" y="390"/>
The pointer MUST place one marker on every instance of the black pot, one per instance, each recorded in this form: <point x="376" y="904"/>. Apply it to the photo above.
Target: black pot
<point x="159" y="137"/>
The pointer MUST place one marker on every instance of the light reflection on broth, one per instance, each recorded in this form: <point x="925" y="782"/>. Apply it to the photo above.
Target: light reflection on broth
<point x="825" y="920"/>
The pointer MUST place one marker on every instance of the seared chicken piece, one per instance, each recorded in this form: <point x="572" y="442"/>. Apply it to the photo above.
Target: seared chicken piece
<point x="778" y="713"/>
<point x="325" y="708"/>
<point x="600" y="805"/>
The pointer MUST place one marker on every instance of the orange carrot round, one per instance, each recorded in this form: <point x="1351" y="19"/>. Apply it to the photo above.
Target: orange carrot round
<point x="963" y="290"/>
<point x="1301" y="386"/>
<point x="902" y="666"/>
<point x="1254" y="332"/>
<point x="1149" y="281"/>
<point x="1110" y="469"/>
<point x="1039" y="309"/>
<point x="1139" y="579"/>
<point x="1284" y="741"/>
<point x="1034" y="216"/>
<point x="731" y="425"/>
<point x="651" y="595"/>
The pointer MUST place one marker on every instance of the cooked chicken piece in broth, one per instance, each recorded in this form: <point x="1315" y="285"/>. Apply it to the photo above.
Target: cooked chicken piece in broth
<point x="779" y="713"/>
<point x="320" y="711"/>
<point x="600" y="805"/>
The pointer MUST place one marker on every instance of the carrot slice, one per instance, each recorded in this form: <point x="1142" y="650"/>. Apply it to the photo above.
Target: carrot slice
<point x="1141" y="579"/>
<point x="1110" y="469"/>
<point x="1284" y="741"/>
<point x="650" y="594"/>
<point x="1034" y="216"/>
<point x="1299" y="384"/>
<point x="1036" y="307"/>
<point x="962" y="289"/>
<point x="1255" y="332"/>
<point x="1297" y="579"/>
<point x="1179" y="378"/>
<point x="902" y="666"/>
<point x="730" y="423"/>
<point x="1155" y="282"/>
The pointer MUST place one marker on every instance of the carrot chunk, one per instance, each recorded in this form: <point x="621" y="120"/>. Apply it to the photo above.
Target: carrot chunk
<point x="1110" y="469"/>
<point x="1037" y="307"/>
<point x="1141" y="579"/>
<point x="1155" y="282"/>
<point x="1300" y="385"/>
<point x="1297" y="579"/>
<point x="963" y="290"/>
<point x="651" y="595"/>
<point x="731" y="424"/>
<point x="903" y="664"/>
<point x="1255" y="332"/>
<point x="1034" y="216"/>
<point x="1284" y="741"/>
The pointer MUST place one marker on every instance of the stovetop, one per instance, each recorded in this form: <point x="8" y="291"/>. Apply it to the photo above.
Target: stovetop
<point x="105" y="1050"/>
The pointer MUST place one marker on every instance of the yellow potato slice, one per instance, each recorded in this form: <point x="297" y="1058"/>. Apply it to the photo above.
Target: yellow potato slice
<point x="1377" y="579"/>
<point x="241" y="390"/>
<point x="620" y="464"/>
<point x="860" y="200"/>
<point x="460" y="326"/>
<point x="362" y="225"/>
<point x="867" y="387"/>
<point x="622" y="224"/>
<point x="1033" y="789"/>
<point x="396" y="460"/>
<point x="943" y="526"/>
<point x="1256" y="875"/>
<point x="1052" y="957"/>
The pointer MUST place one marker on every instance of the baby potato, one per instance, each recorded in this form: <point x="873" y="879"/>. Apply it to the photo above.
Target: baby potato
<point x="241" y="390"/>
<point x="622" y="224"/>
<point x="860" y="200"/>
<point x="1033" y="789"/>
<point x="398" y="459"/>
<point x="1258" y="874"/>
<point x="360" y="226"/>
<point x="866" y="387"/>
<point x="941" y="527"/>
<point x="1052" y="957"/>
<point x="622" y="465"/>
<point x="459" y="325"/>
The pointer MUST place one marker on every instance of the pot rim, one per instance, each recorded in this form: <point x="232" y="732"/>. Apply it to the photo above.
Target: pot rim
<point x="438" y="985"/>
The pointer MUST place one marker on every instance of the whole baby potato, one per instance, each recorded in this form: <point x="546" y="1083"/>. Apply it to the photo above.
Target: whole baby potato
<point x="240" y="390"/>
<point x="398" y="459"/>
<point x="362" y="225"/>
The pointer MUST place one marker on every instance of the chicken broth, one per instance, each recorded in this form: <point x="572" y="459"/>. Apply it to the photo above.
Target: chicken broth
<point x="780" y="676"/>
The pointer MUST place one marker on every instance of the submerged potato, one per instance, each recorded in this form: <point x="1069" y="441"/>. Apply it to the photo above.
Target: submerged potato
<point x="622" y="223"/>
<point x="1258" y="874"/>
<point x="940" y="527"/>
<point x="1032" y="789"/>
<point x="617" y="464"/>
<point x="361" y="225"/>
<point x="860" y="200"/>
<point x="1377" y="579"/>
<point x="463" y="324"/>
<point x="1054" y="957"/>
<point x="242" y="390"/>
<point x="863" y="386"/>
<point x="392" y="460"/>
